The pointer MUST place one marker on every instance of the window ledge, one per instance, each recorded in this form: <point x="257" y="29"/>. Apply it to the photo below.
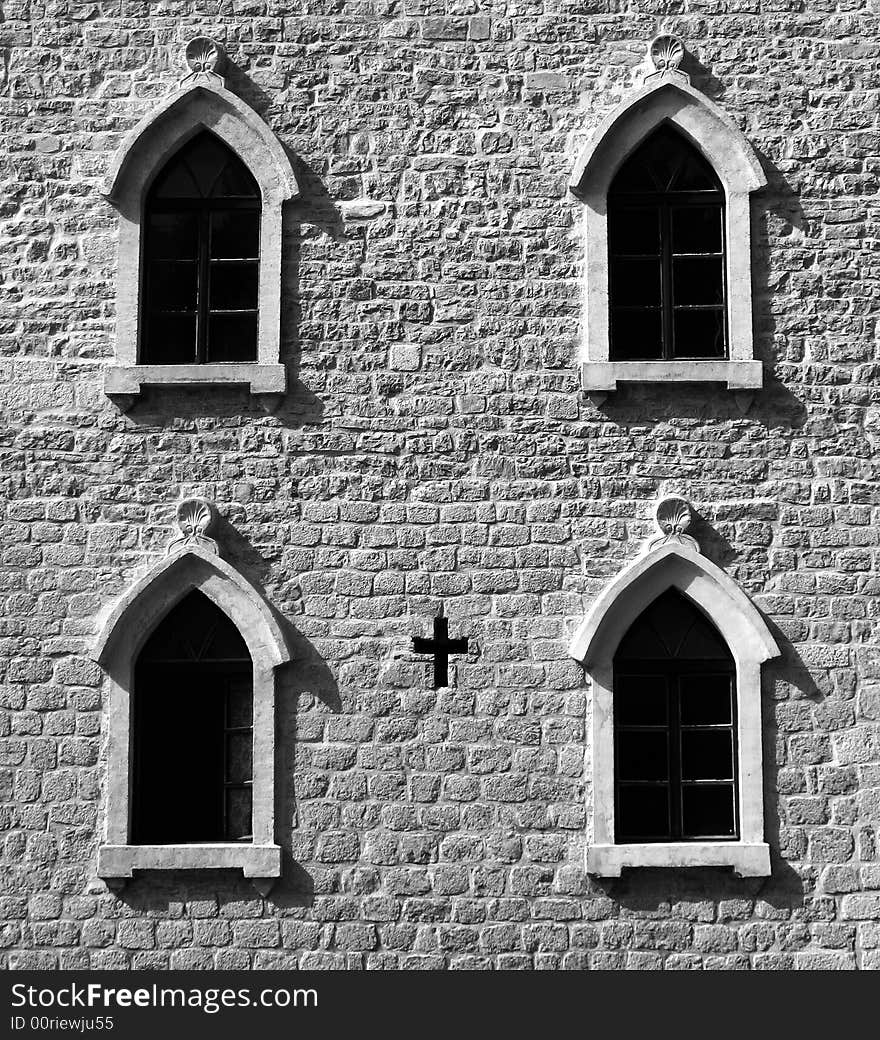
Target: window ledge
<point x="262" y="863"/>
<point x="748" y="859"/>
<point x="126" y="382"/>
<point x="603" y="376"/>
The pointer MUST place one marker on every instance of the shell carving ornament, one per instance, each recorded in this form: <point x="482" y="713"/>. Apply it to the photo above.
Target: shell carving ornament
<point x="195" y="518"/>
<point x="673" y="517"/>
<point x="666" y="52"/>
<point x="665" y="56"/>
<point x="204" y="57"/>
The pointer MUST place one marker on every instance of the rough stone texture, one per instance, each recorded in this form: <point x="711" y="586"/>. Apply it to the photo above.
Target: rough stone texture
<point x="434" y="447"/>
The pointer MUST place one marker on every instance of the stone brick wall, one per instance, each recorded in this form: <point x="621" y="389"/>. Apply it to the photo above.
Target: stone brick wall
<point x="435" y="448"/>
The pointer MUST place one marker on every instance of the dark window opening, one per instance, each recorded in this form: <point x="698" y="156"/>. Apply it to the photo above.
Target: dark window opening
<point x="675" y="755"/>
<point x="193" y="730"/>
<point x="666" y="254"/>
<point x="201" y="258"/>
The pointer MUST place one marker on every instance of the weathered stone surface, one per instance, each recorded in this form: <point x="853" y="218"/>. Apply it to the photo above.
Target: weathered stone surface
<point x="433" y="447"/>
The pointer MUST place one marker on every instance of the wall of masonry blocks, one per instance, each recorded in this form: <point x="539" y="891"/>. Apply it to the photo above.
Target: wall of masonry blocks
<point x="435" y="448"/>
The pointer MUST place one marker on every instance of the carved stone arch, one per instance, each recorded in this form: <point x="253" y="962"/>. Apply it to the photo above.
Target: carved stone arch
<point x="675" y="561"/>
<point x="181" y="115"/>
<point x="667" y="97"/>
<point x="141" y="607"/>
<point x="692" y="113"/>
<point x="674" y="565"/>
<point x="126" y="628"/>
<point x="205" y="105"/>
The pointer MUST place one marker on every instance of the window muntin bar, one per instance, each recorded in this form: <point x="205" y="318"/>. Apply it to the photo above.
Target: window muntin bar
<point x="202" y="252"/>
<point x="667" y="255"/>
<point x="674" y="728"/>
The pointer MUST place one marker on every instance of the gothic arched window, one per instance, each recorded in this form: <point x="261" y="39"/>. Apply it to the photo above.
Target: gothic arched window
<point x="193" y="730"/>
<point x="666" y="181"/>
<point x="666" y="231"/>
<point x="675" y="756"/>
<point x="201" y="258"/>
<point x="673" y="650"/>
<point x="199" y="185"/>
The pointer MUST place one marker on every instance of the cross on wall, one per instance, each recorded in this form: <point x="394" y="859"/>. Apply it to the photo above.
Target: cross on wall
<point x="441" y="646"/>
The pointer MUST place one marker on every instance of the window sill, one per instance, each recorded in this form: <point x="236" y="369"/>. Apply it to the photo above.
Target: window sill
<point x="262" y="863"/>
<point x="125" y="383"/>
<point x="748" y="859"/>
<point x="603" y="376"/>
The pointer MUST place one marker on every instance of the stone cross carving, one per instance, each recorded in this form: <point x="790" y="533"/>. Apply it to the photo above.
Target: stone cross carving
<point x="673" y="517"/>
<point x="441" y="646"/>
<point x="195" y="518"/>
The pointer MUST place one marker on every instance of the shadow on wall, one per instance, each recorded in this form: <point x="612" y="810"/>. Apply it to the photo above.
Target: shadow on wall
<point x="785" y="896"/>
<point x="313" y="212"/>
<point x="314" y="208"/>
<point x="774" y="407"/>
<point x="305" y="679"/>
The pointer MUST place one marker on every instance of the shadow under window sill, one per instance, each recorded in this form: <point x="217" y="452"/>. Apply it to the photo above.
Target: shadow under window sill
<point x="748" y="859"/>
<point x="125" y="383"/>
<point x="260" y="863"/>
<point x="603" y="376"/>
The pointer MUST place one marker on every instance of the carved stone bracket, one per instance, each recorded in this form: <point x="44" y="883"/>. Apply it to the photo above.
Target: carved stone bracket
<point x="673" y="516"/>
<point x="195" y="518"/>
<point x="263" y="885"/>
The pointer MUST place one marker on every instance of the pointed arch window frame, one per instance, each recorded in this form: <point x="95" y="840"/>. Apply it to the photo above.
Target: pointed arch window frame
<point x="676" y="564"/>
<point x="668" y="98"/>
<point x="143" y="153"/>
<point x="123" y="635"/>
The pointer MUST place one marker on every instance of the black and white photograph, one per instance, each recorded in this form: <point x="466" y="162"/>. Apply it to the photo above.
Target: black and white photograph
<point x="439" y="501"/>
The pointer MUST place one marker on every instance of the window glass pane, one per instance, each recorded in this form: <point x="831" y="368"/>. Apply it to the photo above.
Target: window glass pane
<point x="175" y="182"/>
<point x="239" y="751"/>
<point x="173" y="236"/>
<point x="206" y="157"/>
<point x="235" y="235"/>
<point x="706" y="700"/>
<point x="665" y="161"/>
<point x="696" y="229"/>
<point x="703" y="643"/>
<point x="640" y="700"/>
<point x="178" y="739"/>
<point x="635" y="282"/>
<point x="170" y="339"/>
<point x="694" y="173"/>
<point x="235" y="181"/>
<point x="232" y="337"/>
<point x="238" y="813"/>
<point x="706" y="754"/>
<point x="699" y="334"/>
<point x="697" y="280"/>
<point x="634" y="232"/>
<point x="172" y="285"/>
<point x="197" y="630"/>
<point x="636" y="335"/>
<point x="642" y="754"/>
<point x="233" y="286"/>
<point x="239" y="703"/>
<point x="643" y="812"/>
<point x="708" y="810"/>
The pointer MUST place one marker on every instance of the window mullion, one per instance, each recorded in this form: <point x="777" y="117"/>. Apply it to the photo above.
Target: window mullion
<point x="224" y="797"/>
<point x="666" y="279"/>
<point x="204" y="285"/>
<point x="675" y="755"/>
